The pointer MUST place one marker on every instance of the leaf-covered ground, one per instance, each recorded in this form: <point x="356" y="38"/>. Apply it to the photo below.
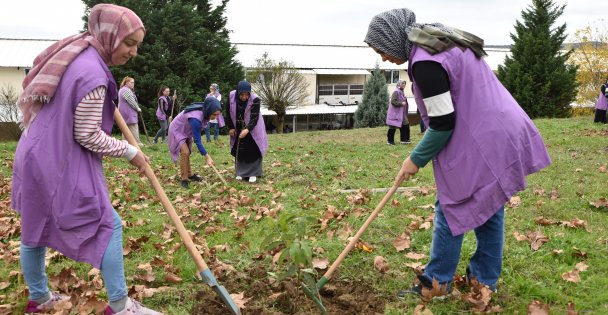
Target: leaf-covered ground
<point x="556" y="234"/>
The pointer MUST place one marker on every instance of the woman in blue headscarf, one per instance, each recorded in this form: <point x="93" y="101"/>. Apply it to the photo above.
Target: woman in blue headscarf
<point x="248" y="142"/>
<point x="187" y="125"/>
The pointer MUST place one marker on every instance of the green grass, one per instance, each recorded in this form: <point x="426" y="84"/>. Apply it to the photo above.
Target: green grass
<point x="320" y="163"/>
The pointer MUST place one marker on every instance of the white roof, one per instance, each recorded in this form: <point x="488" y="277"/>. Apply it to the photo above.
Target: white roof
<point x="341" y="71"/>
<point x="21" y="52"/>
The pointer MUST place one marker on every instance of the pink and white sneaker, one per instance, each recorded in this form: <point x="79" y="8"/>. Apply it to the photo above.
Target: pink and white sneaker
<point x="132" y="307"/>
<point x="33" y="307"/>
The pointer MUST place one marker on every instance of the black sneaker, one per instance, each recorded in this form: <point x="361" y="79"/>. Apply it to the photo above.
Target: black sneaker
<point x="390" y="143"/>
<point x="195" y="178"/>
<point x="415" y="290"/>
<point x="184" y="183"/>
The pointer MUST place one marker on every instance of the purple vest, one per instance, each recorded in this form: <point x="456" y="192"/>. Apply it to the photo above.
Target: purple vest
<point x="602" y="102"/>
<point x="59" y="186"/>
<point x="493" y="147"/>
<point x="162" y="101"/>
<point x="259" y="132"/>
<point x="180" y="131"/>
<point x="394" y="114"/>
<point x="220" y="118"/>
<point x="127" y="112"/>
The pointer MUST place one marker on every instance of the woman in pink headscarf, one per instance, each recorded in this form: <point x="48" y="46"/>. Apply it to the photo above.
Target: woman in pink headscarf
<point x="58" y="183"/>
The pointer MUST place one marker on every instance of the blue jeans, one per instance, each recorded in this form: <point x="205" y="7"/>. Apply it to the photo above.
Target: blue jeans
<point x="486" y="263"/>
<point x="112" y="267"/>
<point x="162" y="131"/>
<point x="216" y="131"/>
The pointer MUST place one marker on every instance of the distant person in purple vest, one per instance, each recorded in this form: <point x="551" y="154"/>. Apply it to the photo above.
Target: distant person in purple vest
<point x="187" y="125"/>
<point x="218" y="123"/>
<point x="396" y="116"/>
<point x="128" y="107"/>
<point x="163" y="111"/>
<point x="59" y="187"/>
<point x="248" y="142"/>
<point x="480" y="140"/>
<point x="602" y="104"/>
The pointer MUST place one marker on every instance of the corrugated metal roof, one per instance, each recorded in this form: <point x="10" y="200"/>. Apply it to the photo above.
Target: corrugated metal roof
<point x="341" y="71"/>
<point x="21" y="52"/>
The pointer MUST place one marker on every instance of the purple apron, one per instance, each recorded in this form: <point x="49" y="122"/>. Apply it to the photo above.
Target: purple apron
<point x="394" y="114"/>
<point x="127" y="112"/>
<point x="162" y="101"/>
<point x="180" y="131"/>
<point x="602" y="102"/>
<point x="259" y="132"/>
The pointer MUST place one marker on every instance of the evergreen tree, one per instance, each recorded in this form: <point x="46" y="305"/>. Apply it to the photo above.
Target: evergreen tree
<point x="537" y="73"/>
<point x="186" y="48"/>
<point x="372" y="110"/>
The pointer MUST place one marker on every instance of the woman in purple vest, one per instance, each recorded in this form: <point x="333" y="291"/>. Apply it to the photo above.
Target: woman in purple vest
<point x="480" y="140"/>
<point x="217" y="123"/>
<point x="59" y="187"/>
<point x="602" y="104"/>
<point x="187" y="125"/>
<point x="128" y="107"/>
<point x="247" y="132"/>
<point x="163" y="111"/>
<point x="396" y="116"/>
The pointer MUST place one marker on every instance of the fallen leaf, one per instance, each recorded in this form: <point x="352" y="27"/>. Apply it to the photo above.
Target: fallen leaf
<point x="571" y="309"/>
<point x="239" y="299"/>
<point x="581" y="266"/>
<point x="380" y="264"/>
<point x="543" y="221"/>
<point x="421" y="309"/>
<point x="537" y="239"/>
<point x="519" y="237"/>
<point x="395" y="203"/>
<point x="362" y="245"/>
<point x="402" y="242"/>
<point x="602" y="169"/>
<point x="320" y="263"/>
<point x="514" y="202"/>
<point x="572" y="276"/>
<point x="415" y="256"/>
<point x="172" y="278"/>
<point x="538" y="308"/>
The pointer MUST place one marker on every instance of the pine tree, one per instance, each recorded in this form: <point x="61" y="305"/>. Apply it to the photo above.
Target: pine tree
<point x="186" y="47"/>
<point x="537" y="73"/>
<point x="372" y="110"/>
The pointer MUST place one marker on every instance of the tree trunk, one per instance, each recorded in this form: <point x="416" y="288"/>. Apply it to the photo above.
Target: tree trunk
<point x="280" y="122"/>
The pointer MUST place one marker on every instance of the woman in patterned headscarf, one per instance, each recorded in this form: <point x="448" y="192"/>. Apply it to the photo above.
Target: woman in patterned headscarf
<point x="480" y="140"/>
<point x="58" y="183"/>
<point x="217" y="123"/>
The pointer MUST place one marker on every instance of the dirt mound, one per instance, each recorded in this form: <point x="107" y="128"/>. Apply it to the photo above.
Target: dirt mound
<point x="266" y="297"/>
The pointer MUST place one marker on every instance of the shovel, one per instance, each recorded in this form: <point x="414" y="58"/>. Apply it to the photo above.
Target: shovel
<point x="313" y="292"/>
<point x="204" y="271"/>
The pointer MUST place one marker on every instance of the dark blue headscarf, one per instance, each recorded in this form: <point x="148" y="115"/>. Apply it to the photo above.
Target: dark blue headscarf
<point x="243" y="86"/>
<point x="209" y="106"/>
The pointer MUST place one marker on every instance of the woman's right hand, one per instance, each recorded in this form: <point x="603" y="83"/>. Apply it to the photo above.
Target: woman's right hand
<point x="140" y="161"/>
<point x="209" y="160"/>
<point x="232" y="132"/>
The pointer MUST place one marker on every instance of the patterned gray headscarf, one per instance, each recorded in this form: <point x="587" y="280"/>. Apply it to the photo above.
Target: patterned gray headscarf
<point x="394" y="32"/>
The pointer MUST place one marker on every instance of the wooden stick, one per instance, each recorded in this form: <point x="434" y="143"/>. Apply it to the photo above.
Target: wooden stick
<point x="382" y="190"/>
<point x="219" y="175"/>
<point x="144" y="124"/>
<point x="181" y="230"/>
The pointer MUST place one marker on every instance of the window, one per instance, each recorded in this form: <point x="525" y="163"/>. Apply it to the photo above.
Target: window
<point x="392" y="76"/>
<point x="341" y="89"/>
<point x="356" y="89"/>
<point x="326" y="90"/>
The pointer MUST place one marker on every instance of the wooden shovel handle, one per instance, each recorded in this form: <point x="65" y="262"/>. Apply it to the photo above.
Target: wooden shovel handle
<point x="357" y="236"/>
<point x="164" y="200"/>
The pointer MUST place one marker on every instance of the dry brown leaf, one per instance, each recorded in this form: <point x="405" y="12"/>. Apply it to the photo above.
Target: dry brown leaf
<point x="538" y="308"/>
<point x="436" y="290"/>
<point x="601" y="203"/>
<point x="602" y="169"/>
<point x="395" y="203"/>
<point x="572" y="276"/>
<point x="514" y="202"/>
<point x="364" y="246"/>
<point x="571" y="309"/>
<point x="581" y="266"/>
<point x="556" y="252"/>
<point x="421" y="309"/>
<point x="172" y="278"/>
<point x="320" y="263"/>
<point x="519" y="237"/>
<point x="536" y="239"/>
<point x="380" y="264"/>
<point x="415" y="256"/>
<point x="543" y="221"/>
<point x="239" y="299"/>
<point x="402" y="242"/>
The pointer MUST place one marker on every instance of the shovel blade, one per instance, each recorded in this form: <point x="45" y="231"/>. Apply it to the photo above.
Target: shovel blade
<point x="209" y="279"/>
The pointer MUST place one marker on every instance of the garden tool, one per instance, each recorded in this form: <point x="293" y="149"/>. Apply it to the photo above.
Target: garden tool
<point x="219" y="175"/>
<point x="144" y="124"/>
<point x="313" y="290"/>
<point x="202" y="267"/>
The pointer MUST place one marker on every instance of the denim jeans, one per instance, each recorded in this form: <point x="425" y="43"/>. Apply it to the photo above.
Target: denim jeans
<point x="486" y="263"/>
<point x="216" y="131"/>
<point x="162" y="131"/>
<point x="112" y="267"/>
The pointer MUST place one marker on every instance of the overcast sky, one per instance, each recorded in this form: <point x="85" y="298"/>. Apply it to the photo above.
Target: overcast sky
<point x="311" y="21"/>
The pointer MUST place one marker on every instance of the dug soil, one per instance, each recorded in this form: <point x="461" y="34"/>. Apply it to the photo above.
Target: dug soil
<point x="267" y="297"/>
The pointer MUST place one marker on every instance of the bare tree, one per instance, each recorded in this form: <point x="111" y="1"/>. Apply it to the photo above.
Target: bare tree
<point x="279" y="85"/>
<point x="9" y="113"/>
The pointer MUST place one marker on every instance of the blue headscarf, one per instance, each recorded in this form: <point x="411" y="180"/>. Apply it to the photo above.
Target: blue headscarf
<point x="209" y="106"/>
<point x="243" y="86"/>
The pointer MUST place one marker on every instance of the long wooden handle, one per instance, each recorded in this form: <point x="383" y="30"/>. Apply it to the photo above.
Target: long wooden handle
<point x="219" y="175"/>
<point x="355" y="238"/>
<point x="164" y="200"/>
<point x="144" y="124"/>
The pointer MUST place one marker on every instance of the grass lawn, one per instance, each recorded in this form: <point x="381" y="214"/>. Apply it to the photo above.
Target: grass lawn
<point x="303" y="175"/>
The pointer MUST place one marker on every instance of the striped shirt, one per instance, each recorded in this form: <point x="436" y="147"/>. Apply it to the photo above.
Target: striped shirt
<point x="87" y="128"/>
<point x="129" y="96"/>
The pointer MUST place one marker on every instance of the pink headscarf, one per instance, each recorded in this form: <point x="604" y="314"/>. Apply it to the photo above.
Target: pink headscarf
<point x="109" y="25"/>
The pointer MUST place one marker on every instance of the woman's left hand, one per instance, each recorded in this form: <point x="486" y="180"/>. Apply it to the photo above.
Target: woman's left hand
<point x="244" y="133"/>
<point x="210" y="161"/>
